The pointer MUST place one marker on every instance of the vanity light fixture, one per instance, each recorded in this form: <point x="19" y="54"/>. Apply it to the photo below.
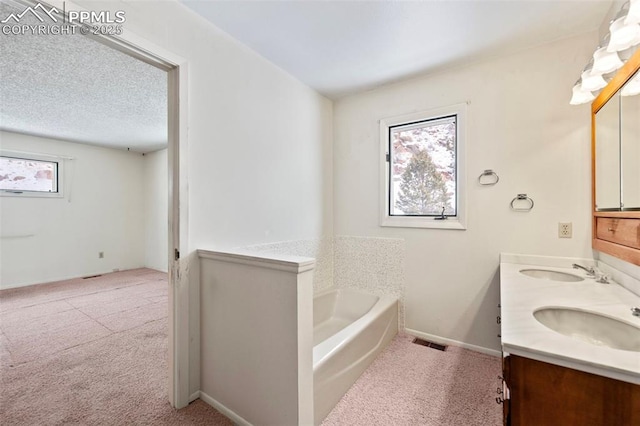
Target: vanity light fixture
<point x="623" y="35"/>
<point x="633" y="17"/>
<point x="625" y="55"/>
<point x="592" y="81"/>
<point x="606" y="62"/>
<point x="580" y="96"/>
<point x="613" y="52"/>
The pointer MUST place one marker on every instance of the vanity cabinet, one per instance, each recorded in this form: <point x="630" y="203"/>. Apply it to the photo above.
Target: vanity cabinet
<point x="542" y="394"/>
<point x="624" y="232"/>
<point x="616" y="165"/>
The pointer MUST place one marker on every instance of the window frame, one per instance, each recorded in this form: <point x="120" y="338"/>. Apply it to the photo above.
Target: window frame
<point x="457" y="222"/>
<point x="36" y="157"/>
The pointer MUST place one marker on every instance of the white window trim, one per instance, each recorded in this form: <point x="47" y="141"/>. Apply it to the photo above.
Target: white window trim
<point x="458" y="222"/>
<point x="38" y="157"/>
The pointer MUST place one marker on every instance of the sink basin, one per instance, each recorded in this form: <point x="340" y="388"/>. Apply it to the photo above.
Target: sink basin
<point x="545" y="274"/>
<point x="590" y="327"/>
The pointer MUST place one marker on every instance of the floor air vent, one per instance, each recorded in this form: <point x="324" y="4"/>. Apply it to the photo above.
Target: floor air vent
<point x="429" y="344"/>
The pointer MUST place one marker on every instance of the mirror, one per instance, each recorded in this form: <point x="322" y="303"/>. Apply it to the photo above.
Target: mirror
<point x="608" y="155"/>
<point x="630" y="143"/>
<point x="617" y="150"/>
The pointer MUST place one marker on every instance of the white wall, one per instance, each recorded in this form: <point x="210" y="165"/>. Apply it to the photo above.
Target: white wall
<point x="156" y="210"/>
<point x="521" y="125"/>
<point x="102" y="211"/>
<point x="259" y="142"/>
<point x="259" y="145"/>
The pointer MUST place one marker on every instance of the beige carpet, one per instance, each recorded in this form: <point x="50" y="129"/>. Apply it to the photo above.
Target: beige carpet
<point x="90" y="352"/>
<point x="411" y="385"/>
<point x="93" y="352"/>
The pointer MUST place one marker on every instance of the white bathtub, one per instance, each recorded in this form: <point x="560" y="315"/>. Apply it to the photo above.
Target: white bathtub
<point x="350" y="329"/>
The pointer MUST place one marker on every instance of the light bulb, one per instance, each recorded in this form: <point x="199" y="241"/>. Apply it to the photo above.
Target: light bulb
<point x="626" y="54"/>
<point x="633" y="16"/>
<point x="623" y="36"/>
<point x="605" y="62"/>
<point x="580" y="96"/>
<point x="592" y="82"/>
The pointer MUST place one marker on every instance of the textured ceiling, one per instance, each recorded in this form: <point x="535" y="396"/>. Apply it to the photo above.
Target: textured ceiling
<point x="73" y="88"/>
<point x="343" y="47"/>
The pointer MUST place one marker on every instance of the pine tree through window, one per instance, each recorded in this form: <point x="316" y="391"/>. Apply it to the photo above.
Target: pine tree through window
<point x="422" y="169"/>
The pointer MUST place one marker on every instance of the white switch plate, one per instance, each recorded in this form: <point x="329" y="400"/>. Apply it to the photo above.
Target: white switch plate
<point x="565" y="230"/>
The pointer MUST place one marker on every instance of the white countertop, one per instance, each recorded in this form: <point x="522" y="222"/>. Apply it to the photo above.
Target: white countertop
<point x="523" y="335"/>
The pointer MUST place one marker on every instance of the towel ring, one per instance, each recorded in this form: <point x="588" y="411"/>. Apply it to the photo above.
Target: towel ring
<point x="494" y="176"/>
<point x="522" y="197"/>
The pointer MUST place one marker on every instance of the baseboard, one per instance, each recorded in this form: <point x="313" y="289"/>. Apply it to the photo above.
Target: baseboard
<point x="52" y="280"/>
<point x="163" y="269"/>
<point x="224" y="410"/>
<point x="194" y="396"/>
<point x="444" y="340"/>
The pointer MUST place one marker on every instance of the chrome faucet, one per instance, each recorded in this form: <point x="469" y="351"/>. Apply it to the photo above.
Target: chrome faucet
<point x="590" y="271"/>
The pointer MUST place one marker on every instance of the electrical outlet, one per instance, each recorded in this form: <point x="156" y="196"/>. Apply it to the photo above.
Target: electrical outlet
<point x="564" y="230"/>
<point x="101" y="255"/>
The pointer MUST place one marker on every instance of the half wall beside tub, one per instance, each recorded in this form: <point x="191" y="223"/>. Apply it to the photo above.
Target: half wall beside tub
<point x="256" y="314"/>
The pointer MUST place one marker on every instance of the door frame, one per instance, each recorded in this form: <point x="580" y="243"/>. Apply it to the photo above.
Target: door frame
<point x="176" y="68"/>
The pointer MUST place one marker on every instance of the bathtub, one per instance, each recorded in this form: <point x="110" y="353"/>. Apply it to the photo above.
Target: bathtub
<point x="350" y="329"/>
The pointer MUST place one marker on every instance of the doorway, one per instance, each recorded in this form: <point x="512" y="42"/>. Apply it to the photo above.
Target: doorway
<point x="175" y="68"/>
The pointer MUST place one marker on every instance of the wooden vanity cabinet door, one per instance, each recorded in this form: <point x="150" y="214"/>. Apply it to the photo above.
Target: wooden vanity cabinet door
<point x="506" y="418"/>
<point x="544" y="394"/>
<point x="620" y="231"/>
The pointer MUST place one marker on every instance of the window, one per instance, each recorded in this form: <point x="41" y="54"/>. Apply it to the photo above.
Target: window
<point x="422" y="169"/>
<point x="30" y="175"/>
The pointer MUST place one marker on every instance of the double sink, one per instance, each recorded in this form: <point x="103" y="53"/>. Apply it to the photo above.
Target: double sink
<point x="554" y="313"/>
<point x="584" y="325"/>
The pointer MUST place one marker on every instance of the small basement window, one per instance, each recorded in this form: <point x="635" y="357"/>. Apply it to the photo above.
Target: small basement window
<point x="422" y="169"/>
<point x="30" y="175"/>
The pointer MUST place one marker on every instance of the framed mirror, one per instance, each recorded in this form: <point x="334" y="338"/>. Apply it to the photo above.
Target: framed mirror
<point x="630" y="143"/>
<point x="607" y="164"/>
<point x="615" y="147"/>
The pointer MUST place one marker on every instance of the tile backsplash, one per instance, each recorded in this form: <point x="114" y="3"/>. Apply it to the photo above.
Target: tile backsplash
<point x="373" y="265"/>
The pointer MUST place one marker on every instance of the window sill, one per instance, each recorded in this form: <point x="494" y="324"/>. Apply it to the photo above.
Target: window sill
<point x="31" y="194"/>
<point x="421" y="222"/>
